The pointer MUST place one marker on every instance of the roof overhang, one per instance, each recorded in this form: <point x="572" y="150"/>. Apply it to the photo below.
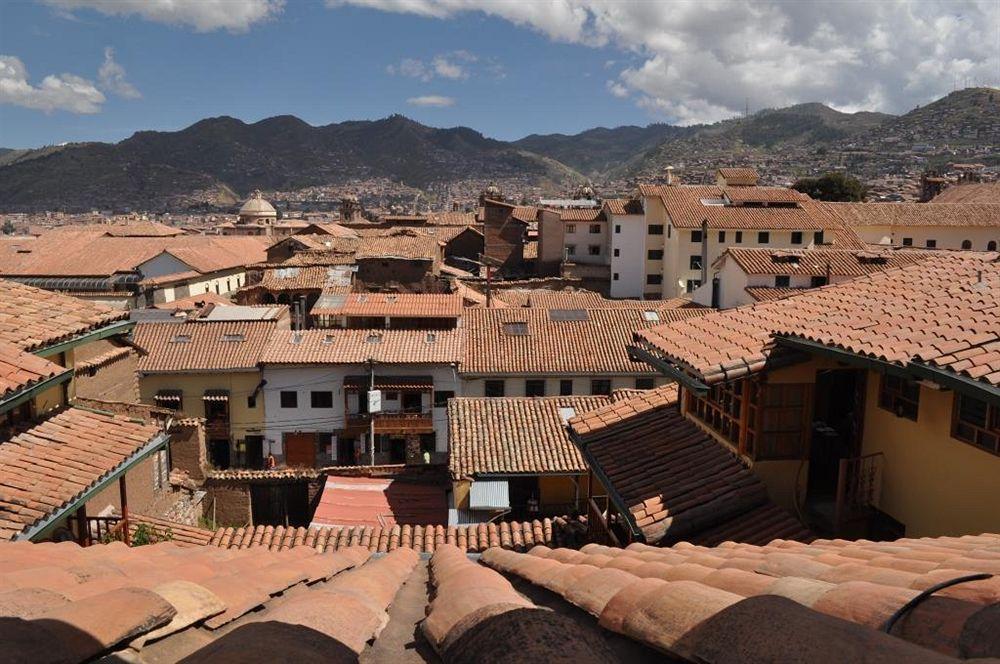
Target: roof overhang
<point x="114" y="329"/>
<point x="961" y="384"/>
<point x="45" y="526"/>
<point x="640" y="354"/>
<point x="31" y="392"/>
<point x="841" y="355"/>
<point x="613" y="495"/>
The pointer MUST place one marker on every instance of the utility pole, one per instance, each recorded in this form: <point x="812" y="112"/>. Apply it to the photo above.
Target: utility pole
<point x="371" y="415"/>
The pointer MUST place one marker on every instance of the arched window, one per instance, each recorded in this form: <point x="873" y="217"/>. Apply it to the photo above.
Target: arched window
<point x="991" y="245"/>
<point x="966" y="245"/>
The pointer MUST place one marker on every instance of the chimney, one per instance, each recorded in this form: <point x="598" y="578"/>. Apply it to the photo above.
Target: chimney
<point x="454" y="206"/>
<point x="669" y="171"/>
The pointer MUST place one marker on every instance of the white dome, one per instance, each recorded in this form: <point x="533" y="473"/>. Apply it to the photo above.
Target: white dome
<point x="256" y="206"/>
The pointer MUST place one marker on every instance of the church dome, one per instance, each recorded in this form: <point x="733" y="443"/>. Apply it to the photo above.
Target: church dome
<point x="256" y="207"/>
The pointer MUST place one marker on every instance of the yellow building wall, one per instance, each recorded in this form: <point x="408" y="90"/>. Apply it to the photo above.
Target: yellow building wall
<point x="243" y="420"/>
<point x="460" y="490"/>
<point x="561" y="489"/>
<point x="932" y="483"/>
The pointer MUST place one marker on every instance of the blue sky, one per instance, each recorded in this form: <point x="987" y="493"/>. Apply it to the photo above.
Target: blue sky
<point x="74" y="70"/>
<point x="322" y="65"/>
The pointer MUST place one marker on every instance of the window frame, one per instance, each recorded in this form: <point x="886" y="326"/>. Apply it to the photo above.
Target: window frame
<point x="595" y="229"/>
<point x="493" y="383"/>
<point x="532" y="385"/>
<point x="441" y="398"/>
<point x="654" y="229"/>
<point x="696" y="236"/>
<point x="288" y="399"/>
<point x="571" y="228"/>
<point x="796" y="237"/>
<point x="593" y="250"/>
<point x="892" y="396"/>
<point x="645" y="383"/>
<point x="313" y="394"/>
<point x="763" y="237"/>
<point x="990" y="426"/>
<point x="566" y="387"/>
<point x="782" y="281"/>
<point x="658" y="254"/>
<point x="653" y="279"/>
<point x="596" y="383"/>
<point x="694" y="262"/>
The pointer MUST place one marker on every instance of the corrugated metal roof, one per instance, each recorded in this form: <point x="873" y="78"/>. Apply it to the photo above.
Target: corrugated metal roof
<point x="489" y="495"/>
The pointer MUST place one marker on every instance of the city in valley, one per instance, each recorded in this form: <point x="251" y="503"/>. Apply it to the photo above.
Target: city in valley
<point x="369" y="331"/>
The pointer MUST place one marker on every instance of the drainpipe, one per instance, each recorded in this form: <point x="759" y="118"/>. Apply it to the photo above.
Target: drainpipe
<point x="704" y="251"/>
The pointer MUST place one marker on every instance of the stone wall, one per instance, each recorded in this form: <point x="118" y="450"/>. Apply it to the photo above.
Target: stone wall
<point x="187" y="448"/>
<point x="227" y="502"/>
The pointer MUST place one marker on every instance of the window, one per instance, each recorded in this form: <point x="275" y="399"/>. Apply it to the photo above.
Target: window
<point x="654" y="254"/>
<point x="669" y="228"/>
<point x="600" y="386"/>
<point x="618" y="253"/>
<point x="321" y="399"/>
<point x="594" y="249"/>
<point x="694" y="262"/>
<point x="252" y="401"/>
<point x="907" y="241"/>
<point x="571" y="250"/>
<point x="614" y="277"/>
<point x="693" y="285"/>
<point x="696" y="236"/>
<point x="816" y="282"/>
<point x="783" y="425"/>
<point x="595" y="229"/>
<point x="654" y="279"/>
<point x="566" y="387"/>
<point x="722" y="237"/>
<point x="932" y="244"/>
<point x="782" y="281"/>
<point x="739" y="237"/>
<point x="643" y="383"/>
<point x="976" y="422"/>
<point x="796" y="237"/>
<point x="534" y="388"/>
<point x="818" y="237"/>
<point x="763" y="237"/>
<point x="441" y="398"/>
<point x="966" y="244"/>
<point x="494" y="388"/>
<point x="900" y="396"/>
<point x="172" y="399"/>
<point x="289" y="399"/>
<point x="570" y="228"/>
<point x="655" y="229"/>
<point x="991" y="245"/>
<point x="618" y="228"/>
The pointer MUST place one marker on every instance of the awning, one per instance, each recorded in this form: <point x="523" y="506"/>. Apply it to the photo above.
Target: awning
<point x="489" y="495"/>
<point x="173" y="396"/>
<point x="389" y="383"/>
<point x="216" y="395"/>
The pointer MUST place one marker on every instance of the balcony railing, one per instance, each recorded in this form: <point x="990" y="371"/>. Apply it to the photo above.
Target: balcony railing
<point x="103" y="529"/>
<point x="401" y="422"/>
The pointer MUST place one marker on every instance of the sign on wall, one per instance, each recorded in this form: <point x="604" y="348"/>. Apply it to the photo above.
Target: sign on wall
<point x="374" y="401"/>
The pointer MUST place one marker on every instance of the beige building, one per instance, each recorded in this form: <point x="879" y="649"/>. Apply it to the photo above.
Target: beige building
<point x="968" y="226"/>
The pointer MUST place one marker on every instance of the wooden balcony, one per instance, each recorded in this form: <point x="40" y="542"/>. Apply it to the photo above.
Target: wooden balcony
<point x="401" y="423"/>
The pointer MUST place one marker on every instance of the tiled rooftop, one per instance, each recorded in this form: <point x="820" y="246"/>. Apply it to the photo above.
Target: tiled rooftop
<point x="32" y="318"/>
<point x="739" y="177"/>
<point x="671" y="479"/>
<point x="420" y="305"/>
<point x="544" y="298"/>
<point x="820" y="262"/>
<point x="623" y="206"/>
<point x="515" y="435"/>
<point x="532" y="340"/>
<point x="20" y="370"/>
<point x="822" y="603"/>
<point x="686" y="210"/>
<point x="979" y="192"/>
<point x="768" y="293"/>
<point x="50" y="465"/>
<point x="339" y="346"/>
<point x="201" y="345"/>
<point x="297" y="278"/>
<point x="828" y="601"/>
<point x="916" y="214"/>
<point x="370" y="501"/>
<point x="942" y="311"/>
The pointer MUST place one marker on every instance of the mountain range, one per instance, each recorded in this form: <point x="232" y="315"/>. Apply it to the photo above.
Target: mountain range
<point x="220" y="160"/>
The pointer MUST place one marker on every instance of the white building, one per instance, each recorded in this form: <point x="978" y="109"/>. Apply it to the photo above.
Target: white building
<point x="627" y="233"/>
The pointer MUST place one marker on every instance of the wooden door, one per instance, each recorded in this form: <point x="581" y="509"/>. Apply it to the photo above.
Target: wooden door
<point x="300" y="449"/>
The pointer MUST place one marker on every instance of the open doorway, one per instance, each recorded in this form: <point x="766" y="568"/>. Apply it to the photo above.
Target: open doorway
<point x="838" y="416"/>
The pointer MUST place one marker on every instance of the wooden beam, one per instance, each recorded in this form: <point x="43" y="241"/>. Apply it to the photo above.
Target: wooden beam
<point x="123" y="492"/>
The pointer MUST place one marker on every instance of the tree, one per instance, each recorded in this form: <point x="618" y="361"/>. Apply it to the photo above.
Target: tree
<point x="7" y="228"/>
<point x="837" y="187"/>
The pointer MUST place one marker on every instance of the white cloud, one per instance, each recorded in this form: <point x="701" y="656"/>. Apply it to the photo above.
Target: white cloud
<point x="56" y="92"/>
<point x="617" y="89"/>
<point x="112" y="77"/>
<point x="431" y="101"/>
<point x="453" y="66"/>
<point x="202" y="15"/>
<point x="698" y="61"/>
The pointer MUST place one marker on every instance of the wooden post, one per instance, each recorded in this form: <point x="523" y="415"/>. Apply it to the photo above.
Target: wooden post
<point x="82" y="531"/>
<point x="744" y="415"/>
<point x="123" y="492"/>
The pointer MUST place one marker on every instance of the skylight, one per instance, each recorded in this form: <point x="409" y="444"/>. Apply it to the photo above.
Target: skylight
<point x="651" y="316"/>
<point x="181" y="339"/>
<point x="234" y="337"/>
<point x="517" y="329"/>
<point x="568" y="314"/>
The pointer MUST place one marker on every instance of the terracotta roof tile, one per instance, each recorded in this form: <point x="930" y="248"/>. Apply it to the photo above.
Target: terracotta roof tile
<point x="298" y="278"/>
<point x="395" y="305"/>
<point x="669" y="478"/>
<point x="367" y="501"/>
<point x="514" y="435"/>
<point x="348" y="346"/>
<point x="543" y="298"/>
<point x="739" y="177"/>
<point x="915" y="214"/>
<point x="929" y="312"/>
<point x="532" y="340"/>
<point x="623" y="206"/>
<point x="768" y="293"/>
<point x="32" y="318"/>
<point x="821" y="261"/>
<point x="978" y="192"/>
<point x="20" y="370"/>
<point x="201" y="345"/>
<point x="54" y="462"/>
